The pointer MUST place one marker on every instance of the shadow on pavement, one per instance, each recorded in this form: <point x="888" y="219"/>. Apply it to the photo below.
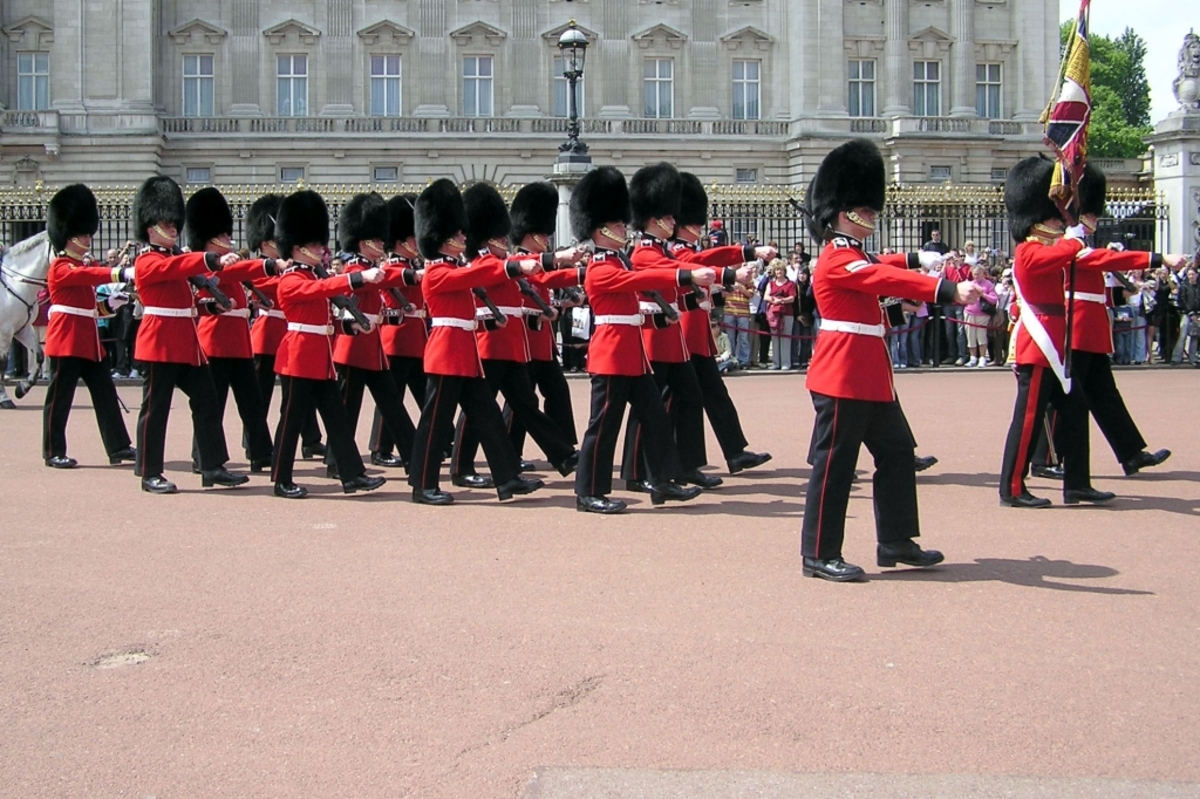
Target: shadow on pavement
<point x="1036" y="572"/>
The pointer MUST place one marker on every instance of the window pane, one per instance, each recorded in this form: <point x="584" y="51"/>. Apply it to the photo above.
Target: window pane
<point x="665" y="66"/>
<point x="300" y="96"/>
<point x="206" y="98"/>
<point x="933" y="67"/>
<point x="190" y="65"/>
<point x="739" y="70"/>
<point x="485" y="67"/>
<point x="197" y="174"/>
<point x="376" y="65"/>
<point x="24" y="94"/>
<point x="853" y="70"/>
<point x="283" y="65"/>
<point x="868" y="100"/>
<point x="933" y="103"/>
<point x="918" y="70"/>
<point x="300" y="64"/>
<point x="868" y="70"/>
<point x="284" y="105"/>
<point x="378" y="99"/>
<point x="206" y="65"/>
<point x="470" y="103"/>
<point x="24" y="63"/>
<point x="664" y="103"/>
<point x="752" y="70"/>
<point x="650" y="95"/>
<point x="485" y="98"/>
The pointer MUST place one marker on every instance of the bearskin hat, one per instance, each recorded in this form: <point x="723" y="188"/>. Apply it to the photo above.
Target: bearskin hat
<point x="1093" y="189"/>
<point x="400" y="217"/>
<point x="72" y="211"/>
<point x="363" y="217"/>
<point x="601" y="196"/>
<point x="303" y="219"/>
<point x="851" y="176"/>
<point x="158" y="199"/>
<point x="654" y="192"/>
<point x="534" y="210"/>
<point x="260" y="220"/>
<point x="1027" y="196"/>
<point x="693" y="201"/>
<point x="487" y="216"/>
<point x="207" y="216"/>
<point x="438" y="216"/>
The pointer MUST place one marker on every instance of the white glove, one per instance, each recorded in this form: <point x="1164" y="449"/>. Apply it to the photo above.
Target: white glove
<point x="115" y="301"/>
<point x="1076" y="232"/>
<point x="930" y="260"/>
<point x="372" y="275"/>
<point x="127" y="274"/>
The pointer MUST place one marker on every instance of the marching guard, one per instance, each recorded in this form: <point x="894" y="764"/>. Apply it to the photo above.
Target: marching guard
<point x="452" y="353"/>
<point x="617" y="360"/>
<point x="305" y="358"/>
<point x="72" y="335"/>
<point x="167" y="342"/>
<point x="850" y="376"/>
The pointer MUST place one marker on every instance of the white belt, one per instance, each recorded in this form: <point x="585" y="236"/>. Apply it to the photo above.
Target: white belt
<point x="373" y="318"/>
<point x="274" y="314"/>
<point x="852" y="327"/>
<point x="454" y="321"/>
<point x="417" y="314"/>
<point x="153" y="310"/>
<point x="653" y="307"/>
<point x="704" y="305"/>
<point x="1083" y="295"/>
<point x="91" y="313"/>
<point x="634" y="319"/>
<point x="243" y="313"/>
<point x="507" y="310"/>
<point x="318" y="330"/>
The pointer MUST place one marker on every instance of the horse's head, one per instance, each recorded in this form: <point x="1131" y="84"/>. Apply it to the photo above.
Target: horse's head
<point x="29" y="258"/>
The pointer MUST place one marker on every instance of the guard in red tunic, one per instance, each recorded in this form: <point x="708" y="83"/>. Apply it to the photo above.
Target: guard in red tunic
<point x="225" y="332"/>
<point x="534" y="215"/>
<point x="617" y="359"/>
<point x="1040" y="264"/>
<point x="504" y="348"/>
<point x="305" y="357"/>
<point x="363" y="232"/>
<point x="697" y="316"/>
<point x="270" y="324"/>
<point x="72" y="335"/>
<point x="452" y="352"/>
<point x="850" y="376"/>
<point x="402" y="329"/>
<point x="167" y="342"/>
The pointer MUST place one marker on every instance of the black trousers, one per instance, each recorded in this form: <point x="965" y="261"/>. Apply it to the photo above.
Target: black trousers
<point x="301" y="398"/>
<point x="1036" y="387"/>
<point x="443" y="395"/>
<point x="407" y="373"/>
<point x="264" y="370"/>
<point x="158" y="388"/>
<point x="610" y="395"/>
<point x="722" y="414"/>
<point x="680" y="389"/>
<point x="1092" y="376"/>
<point x="240" y="375"/>
<point x="65" y="374"/>
<point x="840" y="428"/>
<point x="510" y="378"/>
<point x="547" y="377"/>
<point x="389" y="403"/>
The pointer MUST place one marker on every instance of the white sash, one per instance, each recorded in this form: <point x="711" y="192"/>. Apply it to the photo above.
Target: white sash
<point x="1040" y="337"/>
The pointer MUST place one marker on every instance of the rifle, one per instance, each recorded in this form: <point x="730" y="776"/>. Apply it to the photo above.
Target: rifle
<point x="343" y="303"/>
<point x="262" y="299"/>
<point x="667" y="311"/>
<point x="210" y="284"/>
<point x="529" y="291"/>
<point x="497" y="315"/>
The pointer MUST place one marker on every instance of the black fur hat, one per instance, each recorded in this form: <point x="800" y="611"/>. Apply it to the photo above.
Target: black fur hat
<point x="260" y="220"/>
<point x="1027" y="196"/>
<point x="693" y="201"/>
<point x="363" y="217"/>
<point x="400" y="217"/>
<point x="1093" y="188"/>
<point x="600" y="197"/>
<point x="206" y="216"/>
<point x="158" y="199"/>
<point x="654" y="192"/>
<point x="72" y="211"/>
<point x="303" y="219"/>
<point x="438" y="216"/>
<point x="534" y="210"/>
<point x="487" y="216"/>
<point x="851" y="176"/>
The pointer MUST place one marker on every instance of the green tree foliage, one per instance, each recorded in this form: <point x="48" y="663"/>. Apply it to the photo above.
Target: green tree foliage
<point x="1120" y="94"/>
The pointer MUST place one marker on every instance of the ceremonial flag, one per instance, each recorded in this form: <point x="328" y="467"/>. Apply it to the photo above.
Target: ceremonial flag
<point x="1070" y="109"/>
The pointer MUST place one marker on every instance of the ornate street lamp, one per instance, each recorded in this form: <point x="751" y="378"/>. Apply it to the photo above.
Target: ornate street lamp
<point x="573" y="45"/>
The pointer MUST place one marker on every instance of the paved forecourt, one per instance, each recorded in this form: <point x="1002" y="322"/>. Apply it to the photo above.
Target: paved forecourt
<point x="225" y="641"/>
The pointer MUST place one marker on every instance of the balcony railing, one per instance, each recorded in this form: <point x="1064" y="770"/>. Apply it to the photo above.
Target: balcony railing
<point x="29" y="121"/>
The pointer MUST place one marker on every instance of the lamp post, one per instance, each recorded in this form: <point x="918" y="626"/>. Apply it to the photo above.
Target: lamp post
<point x="573" y="46"/>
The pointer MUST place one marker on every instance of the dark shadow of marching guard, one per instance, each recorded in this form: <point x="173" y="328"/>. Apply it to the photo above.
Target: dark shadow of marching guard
<point x="1155" y="476"/>
<point x="1180" y="505"/>
<point x="1036" y="572"/>
<point x="976" y="480"/>
<point x="710" y="502"/>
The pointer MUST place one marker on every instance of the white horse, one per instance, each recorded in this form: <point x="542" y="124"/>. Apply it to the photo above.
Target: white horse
<point x="22" y="274"/>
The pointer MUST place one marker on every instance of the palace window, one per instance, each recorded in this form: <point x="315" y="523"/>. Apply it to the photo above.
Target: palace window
<point x="561" y="88"/>
<point x="927" y="88"/>
<point x="746" y="89"/>
<point x="658" y="88"/>
<point x="385" y="85"/>
<point x="33" y="81"/>
<point x="477" y="86"/>
<point x="861" y="102"/>
<point x="987" y="90"/>
<point x="291" y="86"/>
<point x="197" y="85"/>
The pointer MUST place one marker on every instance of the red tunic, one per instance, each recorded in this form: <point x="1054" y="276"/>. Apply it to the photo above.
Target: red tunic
<point x="1092" y="329"/>
<point x="403" y="334"/>
<point x="541" y="329"/>
<point x="663" y="344"/>
<point x="365" y="350"/>
<point x="1039" y="273"/>
<point x="226" y="334"/>
<point x="847" y="285"/>
<point x="73" y="285"/>
<point x="161" y="278"/>
<point x="447" y="288"/>
<point x="304" y="299"/>
<point x="270" y="325"/>
<point x="508" y="343"/>
<point x="697" y="331"/>
<point x="612" y="288"/>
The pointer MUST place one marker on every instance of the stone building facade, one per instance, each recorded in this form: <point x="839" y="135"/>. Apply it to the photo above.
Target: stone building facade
<point x="359" y="91"/>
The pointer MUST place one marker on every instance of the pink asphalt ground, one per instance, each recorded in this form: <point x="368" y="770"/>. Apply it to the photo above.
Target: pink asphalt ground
<point x="227" y="643"/>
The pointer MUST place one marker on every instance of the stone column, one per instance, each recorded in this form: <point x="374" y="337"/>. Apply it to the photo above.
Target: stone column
<point x="897" y="67"/>
<point x="1176" y="152"/>
<point x="803" y="53"/>
<point x="1036" y="58"/>
<point x="337" y="59"/>
<point x="962" y="74"/>
<point x="832" y="68"/>
<point x="245" y="39"/>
